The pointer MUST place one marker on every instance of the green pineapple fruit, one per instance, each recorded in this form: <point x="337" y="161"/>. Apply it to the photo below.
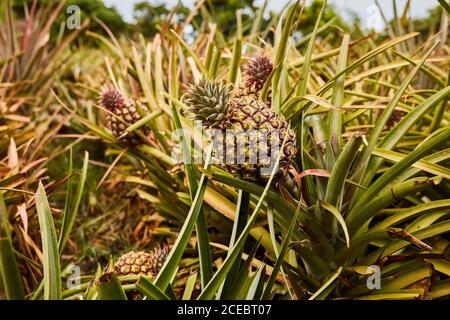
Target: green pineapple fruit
<point x="116" y="103"/>
<point x="257" y="131"/>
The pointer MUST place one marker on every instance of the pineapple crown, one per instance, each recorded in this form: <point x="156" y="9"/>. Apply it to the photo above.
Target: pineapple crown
<point x="159" y="256"/>
<point x="257" y="70"/>
<point x="111" y="99"/>
<point x="208" y="101"/>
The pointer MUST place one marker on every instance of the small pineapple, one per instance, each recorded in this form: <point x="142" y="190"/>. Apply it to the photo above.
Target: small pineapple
<point x="135" y="263"/>
<point x="126" y="114"/>
<point x="256" y="129"/>
<point x="142" y="263"/>
<point x="256" y="73"/>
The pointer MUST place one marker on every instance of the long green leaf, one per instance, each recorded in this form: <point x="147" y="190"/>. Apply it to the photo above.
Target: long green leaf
<point x="201" y="226"/>
<point x="9" y="270"/>
<point x="239" y="225"/>
<point x="52" y="269"/>
<point x="388" y="196"/>
<point x="332" y="209"/>
<point x="280" y="258"/>
<point x="171" y="264"/>
<point x="71" y="212"/>
<point x="405" y="214"/>
<point x="281" y="48"/>
<point x="384" y="117"/>
<point x="219" y="276"/>
<point x="420" y="164"/>
<point x="399" y="131"/>
<point x="335" y="118"/>
<point x="148" y="289"/>
<point x="328" y="283"/>
<point x="335" y="186"/>
<point x="446" y="6"/>
<point x="301" y="89"/>
<point x="382" y="182"/>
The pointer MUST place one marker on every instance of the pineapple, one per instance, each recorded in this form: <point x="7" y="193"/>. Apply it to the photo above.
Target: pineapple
<point x="256" y="73"/>
<point x="142" y="263"/>
<point x="126" y="111"/>
<point x="135" y="263"/>
<point x="256" y="129"/>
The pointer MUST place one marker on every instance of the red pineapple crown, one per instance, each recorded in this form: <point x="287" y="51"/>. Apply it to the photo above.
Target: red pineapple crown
<point x="258" y="69"/>
<point x="111" y="99"/>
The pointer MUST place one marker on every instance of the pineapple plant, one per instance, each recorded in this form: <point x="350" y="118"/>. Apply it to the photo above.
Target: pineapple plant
<point x="251" y="133"/>
<point x="122" y="113"/>
<point x="367" y="195"/>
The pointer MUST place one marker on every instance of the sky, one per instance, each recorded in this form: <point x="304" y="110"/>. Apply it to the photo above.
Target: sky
<point x="364" y="8"/>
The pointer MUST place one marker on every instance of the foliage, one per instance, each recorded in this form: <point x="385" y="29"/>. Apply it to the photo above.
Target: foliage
<point x="369" y="185"/>
<point x="151" y="18"/>
<point x="89" y="9"/>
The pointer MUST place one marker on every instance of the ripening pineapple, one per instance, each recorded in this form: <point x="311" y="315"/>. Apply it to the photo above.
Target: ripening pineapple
<point x="256" y="73"/>
<point x="142" y="263"/>
<point x="249" y="152"/>
<point x="115" y="102"/>
<point x="135" y="263"/>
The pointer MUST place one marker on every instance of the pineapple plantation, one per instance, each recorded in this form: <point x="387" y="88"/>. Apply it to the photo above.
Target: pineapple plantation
<point x="260" y="163"/>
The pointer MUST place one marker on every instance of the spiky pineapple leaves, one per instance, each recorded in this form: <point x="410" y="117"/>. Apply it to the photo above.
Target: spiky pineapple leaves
<point x="323" y="292"/>
<point x="51" y="284"/>
<point x="52" y="268"/>
<point x="201" y="226"/>
<point x="382" y="182"/>
<point x="361" y="172"/>
<point x="9" y="271"/>
<point x="278" y="264"/>
<point x="328" y="195"/>
<point x="72" y="203"/>
<point x="171" y="264"/>
<point x="151" y="291"/>
<point x="394" y="135"/>
<point x="240" y="221"/>
<point x="336" y="117"/>
<point x="237" y="50"/>
<point x="282" y="36"/>
<point x="108" y="285"/>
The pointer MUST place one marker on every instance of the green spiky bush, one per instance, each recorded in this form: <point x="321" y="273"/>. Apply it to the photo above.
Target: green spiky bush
<point x="368" y="189"/>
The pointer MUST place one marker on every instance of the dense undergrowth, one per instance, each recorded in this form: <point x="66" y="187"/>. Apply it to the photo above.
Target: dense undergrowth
<point x="368" y="187"/>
